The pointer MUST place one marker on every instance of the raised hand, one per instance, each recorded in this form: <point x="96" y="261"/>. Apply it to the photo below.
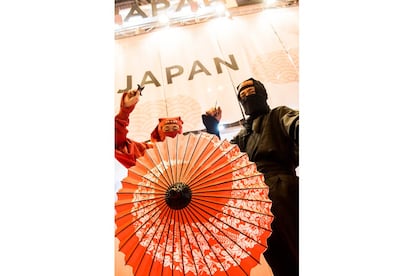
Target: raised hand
<point x="214" y="112"/>
<point x="131" y="98"/>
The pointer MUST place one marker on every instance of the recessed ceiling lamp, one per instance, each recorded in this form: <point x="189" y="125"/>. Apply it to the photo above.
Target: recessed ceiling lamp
<point x="163" y="19"/>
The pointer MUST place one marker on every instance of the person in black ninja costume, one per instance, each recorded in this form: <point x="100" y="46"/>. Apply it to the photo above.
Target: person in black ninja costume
<point x="270" y="137"/>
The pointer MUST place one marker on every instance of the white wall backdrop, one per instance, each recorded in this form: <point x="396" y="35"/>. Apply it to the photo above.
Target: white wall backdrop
<point x="186" y="70"/>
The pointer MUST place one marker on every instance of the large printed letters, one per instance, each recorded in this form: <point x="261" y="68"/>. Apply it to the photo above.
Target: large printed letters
<point x="175" y="71"/>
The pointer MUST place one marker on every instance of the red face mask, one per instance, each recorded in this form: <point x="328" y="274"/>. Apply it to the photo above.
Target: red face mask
<point x="167" y="127"/>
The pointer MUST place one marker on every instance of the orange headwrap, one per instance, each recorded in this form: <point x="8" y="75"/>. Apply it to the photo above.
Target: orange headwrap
<point x="167" y="127"/>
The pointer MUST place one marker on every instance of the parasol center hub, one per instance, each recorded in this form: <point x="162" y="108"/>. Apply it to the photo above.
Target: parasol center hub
<point x="178" y="196"/>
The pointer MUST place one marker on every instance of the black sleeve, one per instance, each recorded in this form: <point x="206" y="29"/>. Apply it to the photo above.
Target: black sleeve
<point x="289" y="119"/>
<point x="211" y="125"/>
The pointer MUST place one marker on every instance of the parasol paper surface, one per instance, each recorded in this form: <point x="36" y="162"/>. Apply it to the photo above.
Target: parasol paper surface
<point x="193" y="205"/>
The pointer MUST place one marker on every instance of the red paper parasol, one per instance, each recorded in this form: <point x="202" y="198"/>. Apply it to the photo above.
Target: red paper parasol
<point x="193" y="205"/>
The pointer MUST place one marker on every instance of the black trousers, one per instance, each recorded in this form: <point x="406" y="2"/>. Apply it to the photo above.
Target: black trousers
<point x="282" y="253"/>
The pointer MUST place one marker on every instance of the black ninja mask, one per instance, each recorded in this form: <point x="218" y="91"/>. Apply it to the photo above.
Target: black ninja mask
<point x="253" y="97"/>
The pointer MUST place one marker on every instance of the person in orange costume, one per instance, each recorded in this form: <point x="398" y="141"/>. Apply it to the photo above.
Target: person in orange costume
<point x="127" y="150"/>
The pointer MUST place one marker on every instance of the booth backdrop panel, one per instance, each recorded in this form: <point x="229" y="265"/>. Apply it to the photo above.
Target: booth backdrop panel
<point x="186" y="70"/>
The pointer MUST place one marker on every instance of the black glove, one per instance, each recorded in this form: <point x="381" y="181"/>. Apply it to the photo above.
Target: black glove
<point x="211" y="124"/>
